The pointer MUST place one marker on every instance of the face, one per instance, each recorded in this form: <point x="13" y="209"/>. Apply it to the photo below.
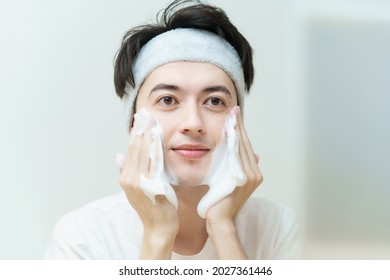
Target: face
<point x="190" y="100"/>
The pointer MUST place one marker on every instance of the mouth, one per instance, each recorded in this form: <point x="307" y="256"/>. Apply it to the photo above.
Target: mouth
<point x="191" y="151"/>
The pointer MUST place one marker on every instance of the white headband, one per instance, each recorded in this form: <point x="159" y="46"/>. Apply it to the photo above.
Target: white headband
<point x="192" y="45"/>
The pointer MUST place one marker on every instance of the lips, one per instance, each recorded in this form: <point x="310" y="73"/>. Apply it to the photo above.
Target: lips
<point x="191" y="151"/>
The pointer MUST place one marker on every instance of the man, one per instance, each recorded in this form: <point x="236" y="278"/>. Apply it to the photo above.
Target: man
<point x="190" y="73"/>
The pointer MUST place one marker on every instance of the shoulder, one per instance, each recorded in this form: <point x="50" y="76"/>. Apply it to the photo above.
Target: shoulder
<point x="270" y="230"/>
<point x="264" y="209"/>
<point x="106" y="204"/>
<point x="89" y="214"/>
<point x="95" y="230"/>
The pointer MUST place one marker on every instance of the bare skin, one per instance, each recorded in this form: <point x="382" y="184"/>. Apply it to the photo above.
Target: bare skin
<point x="183" y="230"/>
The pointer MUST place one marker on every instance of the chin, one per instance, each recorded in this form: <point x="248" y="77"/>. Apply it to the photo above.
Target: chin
<point x="185" y="178"/>
<point x="186" y="174"/>
<point x="188" y="182"/>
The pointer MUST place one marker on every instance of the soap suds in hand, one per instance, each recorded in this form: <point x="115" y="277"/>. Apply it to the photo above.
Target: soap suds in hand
<point x="225" y="171"/>
<point x="158" y="184"/>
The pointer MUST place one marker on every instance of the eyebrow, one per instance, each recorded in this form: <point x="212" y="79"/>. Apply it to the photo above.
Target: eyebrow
<point x="163" y="87"/>
<point x="218" y="88"/>
<point x="176" y="88"/>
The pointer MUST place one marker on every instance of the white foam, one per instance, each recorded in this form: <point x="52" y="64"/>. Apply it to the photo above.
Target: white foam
<point x="158" y="184"/>
<point x="225" y="171"/>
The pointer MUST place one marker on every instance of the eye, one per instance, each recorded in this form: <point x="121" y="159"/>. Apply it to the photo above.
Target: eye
<point x="215" y="101"/>
<point x="167" y="101"/>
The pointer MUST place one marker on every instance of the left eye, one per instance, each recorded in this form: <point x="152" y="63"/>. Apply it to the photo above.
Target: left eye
<point x="167" y="101"/>
<point x="215" y="101"/>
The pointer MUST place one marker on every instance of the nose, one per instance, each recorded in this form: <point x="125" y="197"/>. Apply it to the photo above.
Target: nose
<point x="192" y="121"/>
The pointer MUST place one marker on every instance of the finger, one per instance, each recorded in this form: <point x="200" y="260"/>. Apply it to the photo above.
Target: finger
<point x="254" y="176"/>
<point x="245" y="163"/>
<point x="156" y="161"/>
<point x="144" y="159"/>
<point x="156" y="146"/>
<point x="243" y="144"/>
<point x="253" y="158"/>
<point x="133" y="153"/>
<point x="243" y="137"/>
<point x="130" y="174"/>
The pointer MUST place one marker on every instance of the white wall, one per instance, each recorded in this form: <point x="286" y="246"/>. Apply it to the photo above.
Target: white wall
<point x="61" y="123"/>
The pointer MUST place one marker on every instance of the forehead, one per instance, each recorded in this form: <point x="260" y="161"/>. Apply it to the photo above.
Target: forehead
<point x="190" y="75"/>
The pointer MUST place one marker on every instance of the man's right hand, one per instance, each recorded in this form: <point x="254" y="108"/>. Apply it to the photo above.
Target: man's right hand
<point x="160" y="220"/>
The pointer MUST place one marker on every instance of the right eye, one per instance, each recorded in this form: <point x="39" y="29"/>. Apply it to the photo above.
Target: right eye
<point x="167" y="101"/>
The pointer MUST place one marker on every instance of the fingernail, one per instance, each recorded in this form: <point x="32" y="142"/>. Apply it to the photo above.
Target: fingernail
<point x="257" y="158"/>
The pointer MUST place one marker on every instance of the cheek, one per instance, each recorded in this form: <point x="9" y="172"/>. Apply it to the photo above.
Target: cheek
<point x="167" y="124"/>
<point x="214" y="127"/>
<point x="216" y="131"/>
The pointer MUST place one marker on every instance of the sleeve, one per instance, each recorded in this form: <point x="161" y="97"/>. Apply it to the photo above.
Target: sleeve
<point x="288" y="245"/>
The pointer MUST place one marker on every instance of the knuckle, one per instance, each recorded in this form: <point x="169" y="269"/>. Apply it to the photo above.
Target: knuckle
<point x="251" y="178"/>
<point x="126" y="182"/>
<point x="255" y="179"/>
<point x="259" y="178"/>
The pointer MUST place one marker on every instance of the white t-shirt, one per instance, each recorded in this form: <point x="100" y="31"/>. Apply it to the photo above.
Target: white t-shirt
<point x="110" y="228"/>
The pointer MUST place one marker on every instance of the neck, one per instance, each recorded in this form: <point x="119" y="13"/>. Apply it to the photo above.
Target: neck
<point x="192" y="234"/>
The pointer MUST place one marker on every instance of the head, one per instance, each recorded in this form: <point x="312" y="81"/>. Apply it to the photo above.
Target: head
<point x="189" y="97"/>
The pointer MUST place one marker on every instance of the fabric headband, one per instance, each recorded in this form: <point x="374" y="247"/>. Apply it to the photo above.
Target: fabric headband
<point x="191" y="45"/>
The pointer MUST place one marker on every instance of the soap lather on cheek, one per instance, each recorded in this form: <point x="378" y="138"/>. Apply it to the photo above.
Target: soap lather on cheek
<point x="158" y="184"/>
<point x="224" y="175"/>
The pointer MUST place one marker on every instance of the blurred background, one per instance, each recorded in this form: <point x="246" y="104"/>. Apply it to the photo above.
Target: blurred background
<point x="318" y="115"/>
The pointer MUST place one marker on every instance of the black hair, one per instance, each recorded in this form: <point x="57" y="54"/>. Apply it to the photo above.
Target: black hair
<point x="180" y="14"/>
